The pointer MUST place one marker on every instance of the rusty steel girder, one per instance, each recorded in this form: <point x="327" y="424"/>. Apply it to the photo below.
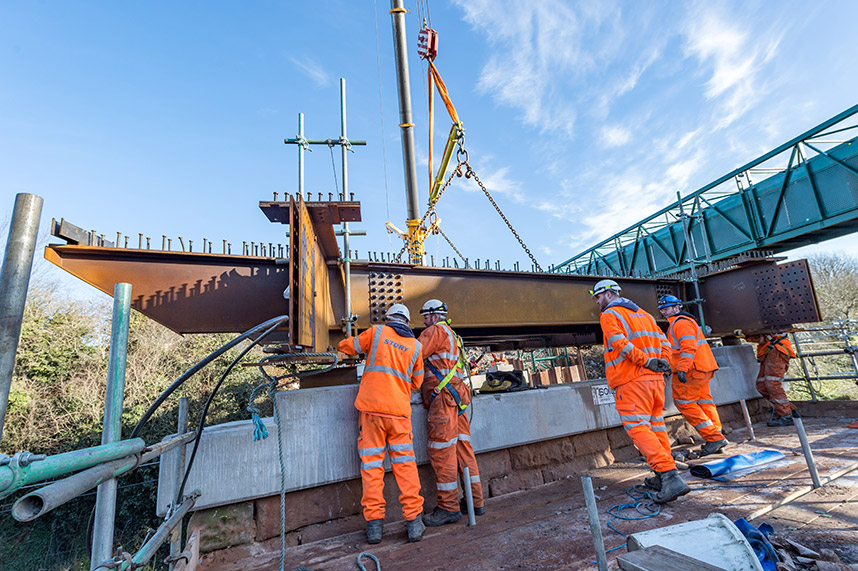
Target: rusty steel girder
<point x="203" y="293"/>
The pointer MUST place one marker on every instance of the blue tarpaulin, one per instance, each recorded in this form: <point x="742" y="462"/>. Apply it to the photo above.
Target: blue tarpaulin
<point x="736" y="463"/>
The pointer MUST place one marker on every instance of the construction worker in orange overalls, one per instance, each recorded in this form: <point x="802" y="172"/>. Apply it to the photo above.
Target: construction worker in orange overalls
<point x="637" y="355"/>
<point x="392" y="370"/>
<point x="773" y="353"/>
<point x="693" y="366"/>
<point x="447" y="397"/>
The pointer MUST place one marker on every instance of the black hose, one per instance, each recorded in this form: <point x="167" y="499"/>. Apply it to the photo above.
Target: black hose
<point x="202" y="422"/>
<point x="193" y="370"/>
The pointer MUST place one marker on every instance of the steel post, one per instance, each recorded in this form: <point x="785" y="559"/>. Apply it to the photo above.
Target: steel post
<point x="347" y="264"/>
<point x="105" y="503"/>
<point x="406" y="124"/>
<point x="469" y="495"/>
<point x="181" y="428"/>
<point x="595" y="527"/>
<point x="805" y="448"/>
<point x="301" y="156"/>
<point x="747" y="416"/>
<point x="801" y="357"/>
<point x="14" y="280"/>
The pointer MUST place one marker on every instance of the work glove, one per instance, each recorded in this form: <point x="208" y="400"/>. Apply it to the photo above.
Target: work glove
<point x="681" y="376"/>
<point x="657" y="365"/>
<point x="416" y="398"/>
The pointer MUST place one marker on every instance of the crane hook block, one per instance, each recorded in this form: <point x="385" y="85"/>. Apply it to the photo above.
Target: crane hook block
<point x="427" y="44"/>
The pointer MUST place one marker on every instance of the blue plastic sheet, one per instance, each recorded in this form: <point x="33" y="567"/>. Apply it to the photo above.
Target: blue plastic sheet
<point x="736" y="463"/>
<point x="760" y="543"/>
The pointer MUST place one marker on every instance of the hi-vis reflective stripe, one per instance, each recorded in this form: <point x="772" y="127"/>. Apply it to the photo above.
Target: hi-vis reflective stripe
<point x="678" y="402"/>
<point x="614" y="362"/>
<point x="779" y="400"/>
<point x="402" y="459"/>
<point x="413" y="360"/>
<point x="613" y="338"/>
<point x="703" y="425"/>
<point x="687" y="354"/>
<point x="705" y="401"/>
<point x="371" y="451"/>
<point x="441" y="445"/>
<point x="644" y="333"/>
<point x="475" y="479"/>
<point x="370" y="359"/>
<point x="447" y="486"/>
<point x="382" y="369"/>
<point x="465" y="437"/>
<point x="356" y="344"/>
<point x="371" y="465"/>
<point x="401" y="447"/>
<point x="622" y="320"/>
<point x="439" y="356"/>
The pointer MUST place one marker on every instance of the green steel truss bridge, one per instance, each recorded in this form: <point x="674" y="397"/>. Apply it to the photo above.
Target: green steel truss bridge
<point x="803" y="192"/>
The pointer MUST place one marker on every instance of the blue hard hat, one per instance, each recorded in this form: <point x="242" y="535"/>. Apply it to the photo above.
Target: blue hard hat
<point x="669" y="301"/>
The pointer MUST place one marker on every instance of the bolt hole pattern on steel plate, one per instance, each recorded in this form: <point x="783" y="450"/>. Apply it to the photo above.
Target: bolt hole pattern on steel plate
<point x="384" y="289"/>
<point x="785" y="295"/>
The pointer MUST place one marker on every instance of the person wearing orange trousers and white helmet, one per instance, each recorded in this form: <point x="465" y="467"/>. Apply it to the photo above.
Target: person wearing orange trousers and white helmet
<point x="693" y="367"/>
<point x="447" y="397"/>
<point x="393" y="369"/>
<point x="637" y="355"/>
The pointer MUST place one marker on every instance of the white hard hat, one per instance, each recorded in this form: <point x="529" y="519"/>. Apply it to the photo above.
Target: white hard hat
<point x="397" y="310"/>
<point x="434" y="306"/>
<point x="606" y="285"/>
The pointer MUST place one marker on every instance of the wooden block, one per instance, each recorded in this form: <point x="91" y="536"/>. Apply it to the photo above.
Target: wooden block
<point x="658" y="558"/>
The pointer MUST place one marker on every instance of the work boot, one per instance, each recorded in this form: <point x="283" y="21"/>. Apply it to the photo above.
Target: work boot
<point x="415" y="529"/>
<point x="713" y="447"/>
<point x="672" y="486"/>
<point x="373" y="531"/>
<point x="463" y="507"/>
<point x="653" y="482"/>
<point x="440" y="517"/>
<point x="781" y="421"/>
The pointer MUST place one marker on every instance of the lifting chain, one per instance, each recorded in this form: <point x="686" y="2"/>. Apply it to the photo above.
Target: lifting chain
<point x="464" y="259"/>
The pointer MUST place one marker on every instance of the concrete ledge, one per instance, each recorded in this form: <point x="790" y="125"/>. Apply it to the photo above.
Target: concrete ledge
<point x="320" y="432"/>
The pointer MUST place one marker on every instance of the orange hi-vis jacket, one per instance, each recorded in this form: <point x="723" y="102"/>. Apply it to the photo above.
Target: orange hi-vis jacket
<point x="690" y="349"/>
<point x="393" y="369"/>
<point x="441" y="350"/>
<point x="770" y="342"/>
<point x="631" y="337"/>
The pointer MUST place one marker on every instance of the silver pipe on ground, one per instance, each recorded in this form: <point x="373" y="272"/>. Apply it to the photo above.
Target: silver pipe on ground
<point x="43" y="500"/>
<point x="747" y="416"/>
<point x="805" y="447"/>
<point x="595" y="527"/>
<point x="14" y="280"/>
<point x="469" y="496"/>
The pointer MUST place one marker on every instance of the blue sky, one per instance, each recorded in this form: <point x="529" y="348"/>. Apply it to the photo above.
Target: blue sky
<point x="168" y="118"/>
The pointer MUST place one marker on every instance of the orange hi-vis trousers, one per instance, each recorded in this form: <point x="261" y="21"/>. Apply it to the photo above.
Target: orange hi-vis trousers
<point x="641" y="407"/>
<point x="694" y="400"/>
<point x="770" y="382"/>
<point x="449" y="448"/>
<point x="377" y="435"/>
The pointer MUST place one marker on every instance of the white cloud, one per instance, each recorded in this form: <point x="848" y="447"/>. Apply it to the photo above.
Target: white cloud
<point x="313" y="69"/>
<point x="615" y="136"/>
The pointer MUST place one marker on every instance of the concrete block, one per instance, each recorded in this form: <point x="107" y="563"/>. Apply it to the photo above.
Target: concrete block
<point x="518" y="480"/>
<point x="223" y="526"/>
<point x="542" y="453"/>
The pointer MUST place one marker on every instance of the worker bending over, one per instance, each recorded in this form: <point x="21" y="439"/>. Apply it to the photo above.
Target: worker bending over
<point x="447" y="397"/>
<point x="773" y="353"/>
<point x="637" y="355"/>
<point x="393" y="369"/>
<point x="693" y="366"/>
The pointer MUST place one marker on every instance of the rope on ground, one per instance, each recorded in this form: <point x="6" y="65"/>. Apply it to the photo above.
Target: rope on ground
<point x="642" y="506"/>
<point x="371" y="556"/>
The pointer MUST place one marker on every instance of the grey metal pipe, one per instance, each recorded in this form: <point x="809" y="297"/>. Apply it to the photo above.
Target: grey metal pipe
<point x="595" y="527"/>
<point x="105" y="501"/>
<point x="406" y="123"/>
<point x="805" y="447"/>
<point x="301" y="156"/>
<point x="14" y="281"/>
<point x="347" y="265"/>
<point x="747" y="416"/>
<point x="38" y="503"/>
<point x="469" y="496"/>
<point x="181" y="428"/>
